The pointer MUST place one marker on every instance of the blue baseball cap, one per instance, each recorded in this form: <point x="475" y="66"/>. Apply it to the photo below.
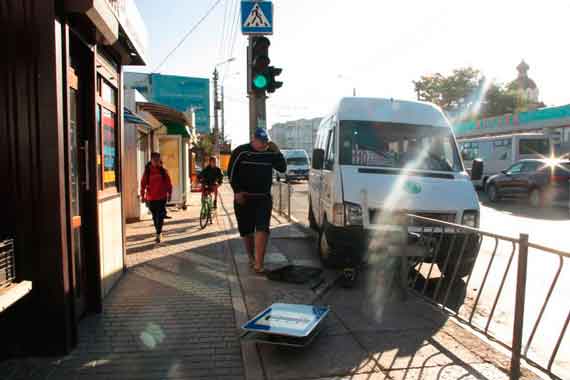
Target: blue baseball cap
<point x="261" y="134"/>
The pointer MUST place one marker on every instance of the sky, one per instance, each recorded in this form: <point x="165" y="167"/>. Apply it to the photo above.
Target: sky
<point x="328" y="47"/>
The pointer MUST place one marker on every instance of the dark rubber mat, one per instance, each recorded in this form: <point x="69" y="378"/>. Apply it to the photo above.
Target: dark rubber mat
<point x="296" y="274"/>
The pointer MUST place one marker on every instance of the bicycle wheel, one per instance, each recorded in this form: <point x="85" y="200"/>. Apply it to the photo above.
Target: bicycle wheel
<point x="204" y="214"/>
<point x="211" y="209"/>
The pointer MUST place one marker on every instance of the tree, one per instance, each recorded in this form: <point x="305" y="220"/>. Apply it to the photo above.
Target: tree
<point x="499" y="100"/>
<point x="205" y="147"/>
<point x="452" y="92"/>
<point x="465" y="94"/>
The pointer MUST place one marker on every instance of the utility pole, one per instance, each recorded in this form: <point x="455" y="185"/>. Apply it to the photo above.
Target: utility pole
<point x="216" y="108"/>
<point x="223" y="102"/>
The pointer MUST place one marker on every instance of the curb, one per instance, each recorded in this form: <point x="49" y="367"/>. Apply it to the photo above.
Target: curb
<point x="253" y="369"/>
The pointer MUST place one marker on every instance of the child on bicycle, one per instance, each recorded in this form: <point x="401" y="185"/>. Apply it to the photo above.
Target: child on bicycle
<point x="210" y="178"/>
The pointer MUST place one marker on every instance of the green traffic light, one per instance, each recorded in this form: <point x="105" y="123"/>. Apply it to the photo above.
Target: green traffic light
<point x="260" y="81"/>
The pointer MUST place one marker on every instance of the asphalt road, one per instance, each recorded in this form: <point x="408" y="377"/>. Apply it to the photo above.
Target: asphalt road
<point x="548" y="227"/>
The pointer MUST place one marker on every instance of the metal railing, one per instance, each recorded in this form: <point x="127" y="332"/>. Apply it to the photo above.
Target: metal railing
<point x="281" y="194"/>
<point x="7" y="263"/>
<point x="474" y="275"/>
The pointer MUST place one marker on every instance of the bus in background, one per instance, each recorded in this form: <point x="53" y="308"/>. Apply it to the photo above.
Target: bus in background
<point x="500" y="152"/>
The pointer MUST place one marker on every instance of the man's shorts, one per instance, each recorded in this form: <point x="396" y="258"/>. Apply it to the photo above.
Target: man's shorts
<point x="253" y="215"/>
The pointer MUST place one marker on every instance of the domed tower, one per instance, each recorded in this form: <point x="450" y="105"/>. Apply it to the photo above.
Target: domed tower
<point x="525" y="86"/>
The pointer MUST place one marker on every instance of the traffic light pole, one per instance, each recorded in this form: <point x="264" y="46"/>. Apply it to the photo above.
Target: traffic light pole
<point x="257" y="114"/>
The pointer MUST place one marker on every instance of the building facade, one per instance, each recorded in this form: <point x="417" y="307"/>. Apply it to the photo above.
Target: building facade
<point x="552" y="121"/>
<point x="180" y="93"/>
<point x="150" y="128"/>
<point x="296" y="134"/>
<point x="62" y="157"/>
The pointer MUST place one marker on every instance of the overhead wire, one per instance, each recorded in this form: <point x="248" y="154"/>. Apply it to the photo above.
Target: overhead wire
<point x="234" y="22"/>
<point x="224" y="30"/>
<point x="185" y="37"/>
<point x="236" y="33"/>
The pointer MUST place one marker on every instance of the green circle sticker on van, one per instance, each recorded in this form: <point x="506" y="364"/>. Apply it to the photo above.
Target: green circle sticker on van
<point x="413" y="187"/>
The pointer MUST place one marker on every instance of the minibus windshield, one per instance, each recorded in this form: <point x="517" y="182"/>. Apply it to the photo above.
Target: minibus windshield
<point x="399" y="146"/>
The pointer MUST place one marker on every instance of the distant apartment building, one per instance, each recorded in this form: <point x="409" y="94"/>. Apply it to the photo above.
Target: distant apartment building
<point x="296" y="134"/>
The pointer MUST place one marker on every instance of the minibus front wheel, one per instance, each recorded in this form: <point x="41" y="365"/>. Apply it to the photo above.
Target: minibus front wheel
<point x="459" y="264"/>
<point x="312" y="220"/>
<point x="326" y="253"/>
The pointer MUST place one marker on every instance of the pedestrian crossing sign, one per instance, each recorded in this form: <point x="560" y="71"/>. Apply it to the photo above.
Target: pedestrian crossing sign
<point x="257" y="17"/>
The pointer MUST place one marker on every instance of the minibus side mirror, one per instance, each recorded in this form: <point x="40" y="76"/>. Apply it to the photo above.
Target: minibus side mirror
<point x="318" y="159"/>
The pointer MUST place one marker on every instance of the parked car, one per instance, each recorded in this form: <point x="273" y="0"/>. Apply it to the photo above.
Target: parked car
<point x="541" y="181"/>
<point x="297" y="165"/>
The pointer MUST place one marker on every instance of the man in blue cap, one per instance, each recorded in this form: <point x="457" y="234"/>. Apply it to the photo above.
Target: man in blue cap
<point x="251" y="174"/>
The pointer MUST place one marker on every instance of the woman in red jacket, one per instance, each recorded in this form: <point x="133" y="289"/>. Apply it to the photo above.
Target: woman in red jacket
<point x="156" y="190"/>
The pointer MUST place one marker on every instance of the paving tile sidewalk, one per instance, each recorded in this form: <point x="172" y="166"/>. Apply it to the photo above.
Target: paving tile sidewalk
<point x="169" y="317"/>
<point x="174" y="315"/>
<point x="369" y="334"/>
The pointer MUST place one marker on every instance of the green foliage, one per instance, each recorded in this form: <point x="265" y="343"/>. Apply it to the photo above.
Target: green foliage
<point x="460" y="95"/>
<point x="449" y="92"/>
<point x="499" y="100"/>
<point x="205" y="147"/>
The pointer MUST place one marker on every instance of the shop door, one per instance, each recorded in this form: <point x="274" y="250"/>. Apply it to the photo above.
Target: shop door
<point x="142" y="159"/>
<point x="77" y="181"/>
<point x="170" y="148"/>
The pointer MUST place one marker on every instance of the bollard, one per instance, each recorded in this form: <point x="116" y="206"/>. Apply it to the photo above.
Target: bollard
<point x="289" y="187"/>
<point x="519" y="307"/>
<point x="280" y="199"/>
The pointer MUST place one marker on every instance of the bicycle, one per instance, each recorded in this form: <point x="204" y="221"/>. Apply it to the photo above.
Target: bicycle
<point x="206" y="208"/>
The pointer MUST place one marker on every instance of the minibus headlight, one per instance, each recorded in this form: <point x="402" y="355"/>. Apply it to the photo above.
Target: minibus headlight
<point x="353" y="214"/>
<point x="471" y="218"/>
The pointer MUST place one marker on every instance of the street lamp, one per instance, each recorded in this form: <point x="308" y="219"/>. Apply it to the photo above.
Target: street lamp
<point x="341" y="76"/>
<point x="224" y="62"/>
<point x="217" y="104"/>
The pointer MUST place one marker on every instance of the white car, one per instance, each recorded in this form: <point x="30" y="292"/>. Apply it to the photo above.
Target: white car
<point x="375" y="159"/>
<point x="297" y="165"/>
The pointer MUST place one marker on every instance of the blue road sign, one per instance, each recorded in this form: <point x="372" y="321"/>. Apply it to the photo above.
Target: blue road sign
<point x="287" y="319"/>
<point x="257" y="17"/>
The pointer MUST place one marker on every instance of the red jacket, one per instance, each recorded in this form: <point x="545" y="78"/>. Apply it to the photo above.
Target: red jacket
<point x="155" y="185"/>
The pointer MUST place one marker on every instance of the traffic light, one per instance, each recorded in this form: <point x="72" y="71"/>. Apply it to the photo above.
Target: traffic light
<point x="273" y="85"/>
<point x="259" y="79"/>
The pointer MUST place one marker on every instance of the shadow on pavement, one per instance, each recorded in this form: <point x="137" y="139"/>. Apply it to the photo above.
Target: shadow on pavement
<point x="523" y="209"/>
<point x="371" y="332"/>
<point x="170" y="317"/>
<point x="441" y="290"/>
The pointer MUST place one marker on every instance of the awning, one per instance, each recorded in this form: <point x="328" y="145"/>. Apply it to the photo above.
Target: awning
<point x="131" y="117"/>
<point x="175" y="121"/>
